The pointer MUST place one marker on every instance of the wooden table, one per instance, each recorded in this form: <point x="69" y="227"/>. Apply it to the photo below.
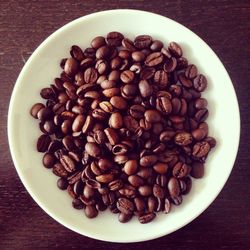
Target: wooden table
<point x="224" y="25"/>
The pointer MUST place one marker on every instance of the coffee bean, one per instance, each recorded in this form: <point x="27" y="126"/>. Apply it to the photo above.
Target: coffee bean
<point x="88" y="124"/>
<point x="44" y="114"/>
<point x="43" y="143"/>
<point x="200" y="83"/>
<point x="105" y="178"/>
<point x="147" y="73"/>
<point x="191" y="71"/>
<point x="93" y="149"/>
<point x="71" y="66"/>
<point x="135" y="180"/>
<point x="142" y="41"/>
<point x="160" y="168"/>
<point x="211" y="141"/>
<point x="145" y="88"/>
<point x="114" y="38"/>
<point x="167" y="206"/>
<point x="197" y="170"/>
<point x="98" y="42"/>
<point x="62" y="184"/>
<point x="173" y="187"/>
<point x="146" y="218"/>
<point x="116" y="121"/>
<point x="181" y="170"/>
<point x="201" y="149"/>
<point x="130" y="123"/>
<point x="112" y="136"/>
<point x="148" y="160"/>
<point x="154" y="59"/>
<point x="201" y="115"/>
<point x="59" y="170"/>
<point x="200" y="103"/>
<point x="185" y="81"/>
<point x="90" y="75"/>
<point x="164" y="105"/>
<point x="76" y="53"/>
<point x="102" y="52"/>
<point x="158" y="191"/>
<point x="118" y="102"/>
<point x="49" y="160"/>
<point x="183" y="138"/>
<point x="123" y="218"/>
<point x="35" y="109"/>
<point x="68" y="163"/>
<point x="77" y="204"/>
<point x="199" y="134"/>
<point x="161" y="79"/>
<point x="170" y="65"/>
<point x="127" y="76"/>
<point x="175" y="49"/>
<point x="138" y="56"/>
<point x="152" y="116"/>
<point x="90" y="211"/>
<point x="156" y="45"/>
<point x="125" y="206"/>
<point x="145" y="190"/>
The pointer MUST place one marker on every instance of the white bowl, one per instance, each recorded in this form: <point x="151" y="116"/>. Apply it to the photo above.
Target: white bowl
<point x="43" y="66"/>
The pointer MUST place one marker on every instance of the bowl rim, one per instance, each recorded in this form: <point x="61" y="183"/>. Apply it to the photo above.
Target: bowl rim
<point x="11" y="139"/>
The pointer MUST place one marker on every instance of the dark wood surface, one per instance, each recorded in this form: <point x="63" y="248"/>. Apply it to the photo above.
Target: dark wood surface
<point x="224" y="25"/>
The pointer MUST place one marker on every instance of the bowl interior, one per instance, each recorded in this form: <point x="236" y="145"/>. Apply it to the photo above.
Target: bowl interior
<point x="43" y="67"/>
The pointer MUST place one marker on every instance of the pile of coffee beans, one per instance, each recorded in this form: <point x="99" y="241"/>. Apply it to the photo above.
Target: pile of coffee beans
<point x="124" y="126"/>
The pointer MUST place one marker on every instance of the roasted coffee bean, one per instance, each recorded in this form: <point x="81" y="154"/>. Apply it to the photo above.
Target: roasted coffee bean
<point x="125" y="206"/>
<point x="47" y="93"/>
<point x="62" y="183"/>
<point x="145" y="190"/>
<point x="201" y="115"/>
<point x="115" y="185"/>
<point x="68" y="163"/>
<point x="76" y="53"/>
<point x="146" y="218"/>
<point x="112" y="136"/>
<point x="200" y="103"/>
<point x="154" y="59"/>
<point x="170" y="65"/>
<point x="152" y="115"/>
<point x="90" y="211"/>
<point x="127" y="76"/>
<point x="142" y="41"/>
<point x="161" y="79"/>
<point x="183" y="138"/>
<point x="93" y="149"/>
<point x="77" y="204"/>
<point x="123" y="218"/>
<point x="175" y="49"/>
<point x="49" y="160"/>
<point x="200" y="83"/>
<point x="191" y="71"/>
<point x="137" y="111"/>
<point x="145" y="88"/>
<point x="199" y="134"/>
<point x="88" y="124"/>
<point x="130" y="123"/>
<point x="43" y="143"/>
<point x="167" y="206"/>
<point x="118" y="102"/>
<point x="102" y="52"/>
<point x="98" y="42"/>
<point x="147" y="73"/>
<point x="164" y="105"/>
<point x="156" y="45"/>
<point x="59" y="170"/>
<point x="114" y="38"/>
<point x="148" y="160"/>
<point x="173" y="187"/>
<point x="35" y="109"/>
<point x="71" y="66"/>
<point x="116" y="120"/>
<point x="160" y="168"/>
<point x="177" y="200"/>
<point x="201" y="149"/>
<point x="44" y="114"/>
<point x="197" y="170"/>
<point x="158" y="191"/>
<point x="181" y="170"/>
<point x="135" y="180"/>
<point x="167" y="135"/>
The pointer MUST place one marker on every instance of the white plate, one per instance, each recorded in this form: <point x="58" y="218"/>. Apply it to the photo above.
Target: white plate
<point x="43" y="66"/>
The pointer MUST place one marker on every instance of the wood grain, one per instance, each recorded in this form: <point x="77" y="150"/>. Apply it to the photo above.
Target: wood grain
<point x="223" y="24"/>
